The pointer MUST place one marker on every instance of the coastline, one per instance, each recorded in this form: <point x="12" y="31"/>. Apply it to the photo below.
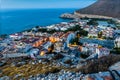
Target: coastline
<point x="55" y="45"/>
<point x="59" y="44"/>
<point x="78" y="15"/>
<point x="75" y="16"/>
<point x="22" y="19"/>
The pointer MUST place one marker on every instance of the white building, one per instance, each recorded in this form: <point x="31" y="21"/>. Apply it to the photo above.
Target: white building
<point x="70" y="37"/>
<point x="47" y="45"/>
<point x="16" y="36"/>
<point x="94" y="49"/>
<point x="63" y="28"/>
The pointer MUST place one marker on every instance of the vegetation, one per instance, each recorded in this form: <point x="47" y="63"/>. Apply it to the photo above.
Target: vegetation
<point x="3" y="36"/>
<point x="29" y="30"/>
<point x="75" y="41"/>
<point x="118" y="25"/>
<point x="27" y="70"/>
<point x="110" y="21"/>
<point x="68" y="62"/>
<point x="99" y="65"/>
<point x="58" y="56"/>
<point x="82" y="32"/>
<point x="37" y="27"/>
<point x="91" y="66"/>
<point x="78" y="28"/>
<point x="92" y="22"/>
<point x="85" y="18"/>
<point x="74" y="28"/>
<point x="100" y="34"/>
<point x="48" y="31"/>
<point x="84" y="56"/>
<point x="116" y="51"/>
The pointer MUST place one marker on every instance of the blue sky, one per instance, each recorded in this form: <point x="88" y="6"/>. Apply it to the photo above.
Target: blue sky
<point x="45" y="3"/>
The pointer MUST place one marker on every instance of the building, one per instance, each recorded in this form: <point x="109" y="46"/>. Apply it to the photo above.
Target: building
<point x="16" y="36"/>
<point x="58" y="46"/>
<point x="46" y="45"/>
<point x="33" y="53"/>
<point x="70" y="36"/>
<point x="92" y="48"/>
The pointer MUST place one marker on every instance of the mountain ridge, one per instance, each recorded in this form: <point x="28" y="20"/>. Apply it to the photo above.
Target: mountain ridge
<point x="110" y="8"/>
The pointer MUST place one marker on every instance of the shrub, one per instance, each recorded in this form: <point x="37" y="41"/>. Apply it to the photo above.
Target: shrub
<point x="68" y="62"/>
<point x="116" y="51"/>
<point x="101" y="64"/>
<point x="58" y="56"/>
<point x="84" y="56"/>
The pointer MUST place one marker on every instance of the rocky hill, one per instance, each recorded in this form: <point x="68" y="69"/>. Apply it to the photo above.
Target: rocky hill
<point x="109" y="8"/>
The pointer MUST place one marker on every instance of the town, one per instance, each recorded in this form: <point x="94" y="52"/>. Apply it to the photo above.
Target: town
<point x="81" y="49"/>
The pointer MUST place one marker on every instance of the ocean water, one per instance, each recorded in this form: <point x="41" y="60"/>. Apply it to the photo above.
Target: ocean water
<point x="18" y="20"/>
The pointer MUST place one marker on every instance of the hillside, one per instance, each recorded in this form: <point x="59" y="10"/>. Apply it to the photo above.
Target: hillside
<point x="109" y="8"/>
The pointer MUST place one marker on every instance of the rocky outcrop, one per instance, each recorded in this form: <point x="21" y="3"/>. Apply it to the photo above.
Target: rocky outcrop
<point x="109" y="8"/>
<point x="68" y="16"/>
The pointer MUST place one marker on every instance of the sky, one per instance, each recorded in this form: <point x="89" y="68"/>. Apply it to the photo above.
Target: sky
<point x="45" y="3"/>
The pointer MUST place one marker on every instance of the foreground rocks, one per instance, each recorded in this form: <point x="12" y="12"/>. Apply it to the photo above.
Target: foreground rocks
<point x="66" y="75"/>
<point x="62" y="69"/>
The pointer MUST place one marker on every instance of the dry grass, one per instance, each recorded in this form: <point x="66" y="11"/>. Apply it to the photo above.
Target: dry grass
<point x="27" y="70"/>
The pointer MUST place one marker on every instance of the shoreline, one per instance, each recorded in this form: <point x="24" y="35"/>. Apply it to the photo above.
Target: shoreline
<point x="70" y="16"/>
<point x="70" y="19"/>
<point x="78" y="15"/>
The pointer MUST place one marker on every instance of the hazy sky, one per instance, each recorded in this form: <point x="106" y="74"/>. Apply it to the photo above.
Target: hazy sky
<point x="45" y="3"/>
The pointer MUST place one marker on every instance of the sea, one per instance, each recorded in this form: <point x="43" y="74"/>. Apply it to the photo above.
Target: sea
<point x="17" y="20"/>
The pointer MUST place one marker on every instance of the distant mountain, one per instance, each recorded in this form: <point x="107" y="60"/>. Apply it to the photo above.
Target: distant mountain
<point x="109" y="8"/>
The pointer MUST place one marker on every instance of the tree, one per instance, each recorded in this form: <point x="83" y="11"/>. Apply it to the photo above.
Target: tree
<point x="100" y="34"/>
<point x="76" y="40"/>
<point x="37" y="26"/>
<point x="82" y="32"/>
<point x="92" y="22"/>
<point x="116" y="51"/>
<point x="3" y="36"/>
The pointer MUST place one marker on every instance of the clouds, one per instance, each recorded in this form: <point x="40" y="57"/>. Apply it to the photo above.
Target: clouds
<point x="45" y="3"/>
